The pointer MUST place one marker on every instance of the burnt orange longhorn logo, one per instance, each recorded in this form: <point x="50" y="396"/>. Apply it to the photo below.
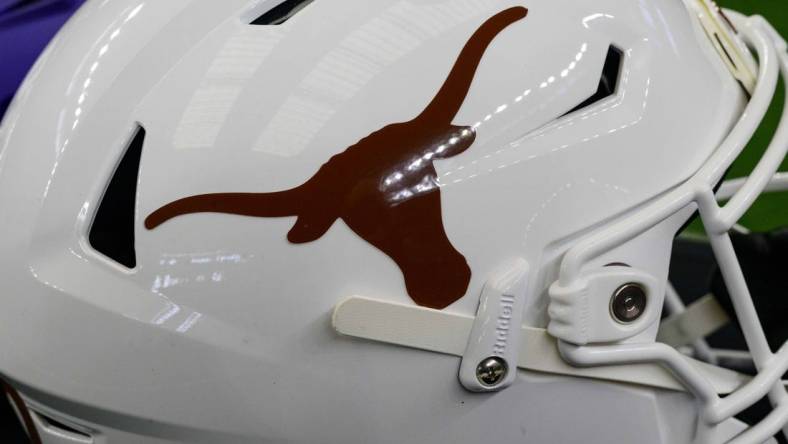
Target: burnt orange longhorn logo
<point x="384" y="187"/>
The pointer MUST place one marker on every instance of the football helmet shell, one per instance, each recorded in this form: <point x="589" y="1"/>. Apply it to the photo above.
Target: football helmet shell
<point x="572" y="141"/>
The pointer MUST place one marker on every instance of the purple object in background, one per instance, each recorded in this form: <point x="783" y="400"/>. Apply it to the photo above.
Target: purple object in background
<point x="26" y="26"/>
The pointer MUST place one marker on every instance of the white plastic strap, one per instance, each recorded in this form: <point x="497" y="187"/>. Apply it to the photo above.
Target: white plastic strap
<point x="699" y="320"/>
<point x="736" y="58"/>
<point x="448" y="333"/>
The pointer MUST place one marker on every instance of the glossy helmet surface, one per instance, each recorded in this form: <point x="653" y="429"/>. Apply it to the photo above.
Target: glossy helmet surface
<point x="266" y="221"/>
<point x="25" y="28"/>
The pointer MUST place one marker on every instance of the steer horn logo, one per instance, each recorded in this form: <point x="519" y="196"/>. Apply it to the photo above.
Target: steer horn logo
<point x="384" y="187"/>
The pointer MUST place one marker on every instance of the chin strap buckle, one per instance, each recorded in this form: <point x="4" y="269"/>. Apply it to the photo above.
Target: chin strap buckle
<point x="491" y="356"/>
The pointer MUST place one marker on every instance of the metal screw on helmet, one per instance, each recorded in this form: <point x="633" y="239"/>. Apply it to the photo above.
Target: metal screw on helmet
<point x="628" y="303"/>
<point x="491" y="371"/>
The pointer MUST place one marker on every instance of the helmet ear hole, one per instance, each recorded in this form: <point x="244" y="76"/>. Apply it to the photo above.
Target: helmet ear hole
<point x="112" y="230"/>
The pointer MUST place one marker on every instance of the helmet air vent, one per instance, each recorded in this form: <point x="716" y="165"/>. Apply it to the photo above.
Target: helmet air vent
<point x="608" y="82"/>
<point x="281" y="12"/>
<point x="112" y="230"/>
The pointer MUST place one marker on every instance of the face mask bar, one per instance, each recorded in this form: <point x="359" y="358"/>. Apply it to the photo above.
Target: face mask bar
<point x="698" y="192"/>
<point x="688" y="326"/>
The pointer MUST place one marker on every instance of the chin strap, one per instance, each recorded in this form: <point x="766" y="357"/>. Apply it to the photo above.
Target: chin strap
<point x="700" y="319"/>
<point x="449" y="333"/>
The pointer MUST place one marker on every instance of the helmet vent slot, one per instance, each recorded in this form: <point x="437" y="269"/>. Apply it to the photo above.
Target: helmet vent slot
<point x="608" y="82"/>
<point x="281" y="12"/>
<point x="112" y="231"/>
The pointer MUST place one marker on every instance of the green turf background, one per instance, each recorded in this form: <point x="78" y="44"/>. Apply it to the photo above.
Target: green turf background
<point x="771" y="210"/>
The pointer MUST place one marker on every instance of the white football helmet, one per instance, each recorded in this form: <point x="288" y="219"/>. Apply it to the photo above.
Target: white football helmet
<point x="442" y="221"/>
